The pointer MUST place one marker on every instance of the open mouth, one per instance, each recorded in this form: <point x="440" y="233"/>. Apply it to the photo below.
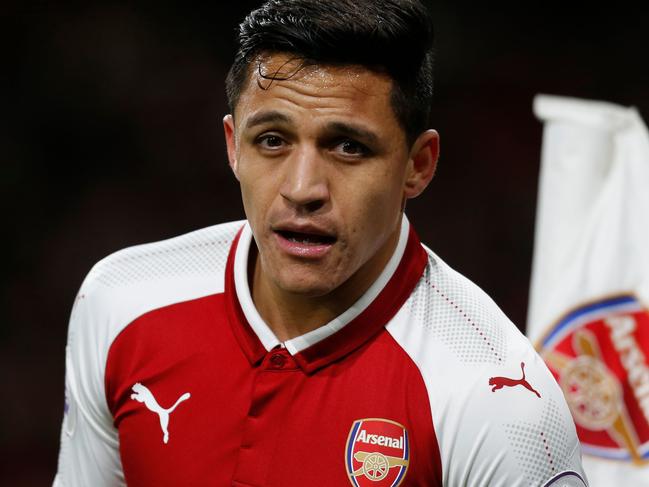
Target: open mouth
<point x="307" y="238"/>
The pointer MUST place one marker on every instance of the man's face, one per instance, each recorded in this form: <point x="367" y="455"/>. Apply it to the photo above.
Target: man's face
<point x="324" y="170"/>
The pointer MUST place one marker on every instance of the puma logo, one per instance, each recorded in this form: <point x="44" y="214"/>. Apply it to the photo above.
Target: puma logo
<point x="500" y="382"/>
<point x="144" y="395"/>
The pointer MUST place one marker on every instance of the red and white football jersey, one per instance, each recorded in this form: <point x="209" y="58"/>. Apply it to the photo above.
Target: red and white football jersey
<point x="174" y="379"/>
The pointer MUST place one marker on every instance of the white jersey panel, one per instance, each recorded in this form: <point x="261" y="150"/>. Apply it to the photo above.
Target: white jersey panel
<point x="118" y="289"/>
<point x="492" y="429"/>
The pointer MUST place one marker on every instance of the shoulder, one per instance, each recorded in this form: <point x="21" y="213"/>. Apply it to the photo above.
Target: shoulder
<point x="143" y="277"/>
<point x="139" y="279"/>
<point x="193" y="254"/>
<point x="495" y="405"/>
<point x="449" y="313"/>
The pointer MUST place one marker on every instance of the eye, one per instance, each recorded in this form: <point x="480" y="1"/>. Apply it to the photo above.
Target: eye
<point x="270" y="141"/>
<point x="353" y="148"/>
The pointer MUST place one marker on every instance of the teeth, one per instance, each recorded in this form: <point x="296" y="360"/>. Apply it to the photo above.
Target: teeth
<point x="303" y="240"/>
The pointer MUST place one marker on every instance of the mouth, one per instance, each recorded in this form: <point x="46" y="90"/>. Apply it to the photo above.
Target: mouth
<point x="306" y="238"/>
<point x="305" y="242"/>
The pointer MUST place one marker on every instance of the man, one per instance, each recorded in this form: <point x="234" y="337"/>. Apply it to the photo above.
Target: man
<point x="318" y="343"/>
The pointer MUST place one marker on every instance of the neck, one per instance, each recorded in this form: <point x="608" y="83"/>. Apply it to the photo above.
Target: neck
<point x="290" y="315"/>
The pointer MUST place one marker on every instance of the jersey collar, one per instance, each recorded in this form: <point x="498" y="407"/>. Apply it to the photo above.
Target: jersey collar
<point x="364" y="319"/>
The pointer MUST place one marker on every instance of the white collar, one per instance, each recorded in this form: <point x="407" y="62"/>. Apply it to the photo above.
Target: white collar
<point x="297" y="344"/>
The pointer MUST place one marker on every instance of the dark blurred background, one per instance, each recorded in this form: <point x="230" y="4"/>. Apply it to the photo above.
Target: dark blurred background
<point x="110" y="135"/>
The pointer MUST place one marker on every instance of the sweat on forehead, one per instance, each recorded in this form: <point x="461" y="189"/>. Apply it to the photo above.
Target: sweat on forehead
<point x="268" y="68"/>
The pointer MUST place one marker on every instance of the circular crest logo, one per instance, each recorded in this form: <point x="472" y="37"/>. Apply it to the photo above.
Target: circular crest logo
<point x="377" y="453"/>
<point x="598" y="354"/>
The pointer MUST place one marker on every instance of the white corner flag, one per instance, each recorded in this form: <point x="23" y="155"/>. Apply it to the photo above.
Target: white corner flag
<point x="589" y="298"/>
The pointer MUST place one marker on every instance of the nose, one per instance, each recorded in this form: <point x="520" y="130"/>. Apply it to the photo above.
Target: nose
<point x="305" y="185"/>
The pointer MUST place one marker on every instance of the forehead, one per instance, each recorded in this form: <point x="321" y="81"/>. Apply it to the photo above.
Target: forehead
<point x="283" y="79"/>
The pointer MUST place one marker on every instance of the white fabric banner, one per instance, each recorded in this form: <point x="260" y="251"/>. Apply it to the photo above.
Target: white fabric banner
<point x="589" y="296"/>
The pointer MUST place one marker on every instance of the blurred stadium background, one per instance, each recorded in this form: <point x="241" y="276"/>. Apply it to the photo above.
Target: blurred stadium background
<point x="110" y="136"/>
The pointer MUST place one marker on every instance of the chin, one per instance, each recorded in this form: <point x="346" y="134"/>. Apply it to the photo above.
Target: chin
<point x="308" y="285"/>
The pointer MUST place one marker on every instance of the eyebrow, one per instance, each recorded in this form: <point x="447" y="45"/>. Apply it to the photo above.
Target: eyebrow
<point x="341" y="128"/>
<point x="353" y="131"/>
<point x="267" y="117"/>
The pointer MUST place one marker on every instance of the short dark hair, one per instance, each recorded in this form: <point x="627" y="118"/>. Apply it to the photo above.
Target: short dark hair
<point x="390" y="36"/>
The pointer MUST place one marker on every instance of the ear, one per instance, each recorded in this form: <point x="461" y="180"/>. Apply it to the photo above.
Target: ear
<point x="423" y="161"/>
<point x="230" y="143"/>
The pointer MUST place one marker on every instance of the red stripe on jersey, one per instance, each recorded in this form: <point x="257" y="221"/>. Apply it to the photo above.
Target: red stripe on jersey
<point x="245" y="335"/>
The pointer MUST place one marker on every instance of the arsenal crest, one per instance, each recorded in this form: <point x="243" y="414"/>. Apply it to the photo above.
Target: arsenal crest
<point x="598" y="354"/>
<point x="377" y="453"/>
